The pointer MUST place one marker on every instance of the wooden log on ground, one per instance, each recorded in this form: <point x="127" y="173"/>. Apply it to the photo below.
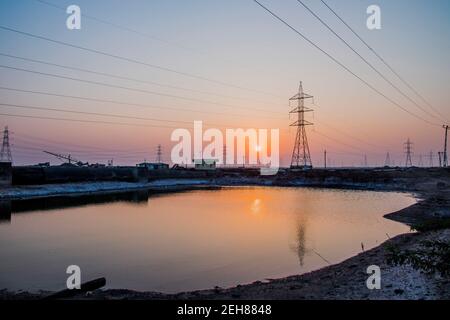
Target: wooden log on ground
<point x="85" y="287"/>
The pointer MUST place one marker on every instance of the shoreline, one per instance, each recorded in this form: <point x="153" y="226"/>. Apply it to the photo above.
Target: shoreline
<point x="30" y="192"/>
<point x="344" y="280"/>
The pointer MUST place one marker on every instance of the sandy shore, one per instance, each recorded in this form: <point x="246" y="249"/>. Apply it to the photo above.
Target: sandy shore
<point x="346" y="280"/>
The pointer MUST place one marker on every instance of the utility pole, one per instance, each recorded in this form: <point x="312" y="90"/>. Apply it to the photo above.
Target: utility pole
<point x="445" y="146"/>
<point x="325" y="158"/>
<point x="440" y="158"/>
<point x="301" y="157"/>
<point x="408" y="151"/>
<point x="431" y="159"/>
<point x="5" y="153"/>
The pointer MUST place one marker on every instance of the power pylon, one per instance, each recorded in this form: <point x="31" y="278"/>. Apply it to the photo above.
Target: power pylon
<point x="445" y="164"/>
<point x="387" y="162"/>
<point x="5" y="153"/>
<point x="159" y="154"/>
<point x="420" y="161"/>
<point x="408" y="151"/>
<point x="224" y="155"/>
<point x="301" y="157"/>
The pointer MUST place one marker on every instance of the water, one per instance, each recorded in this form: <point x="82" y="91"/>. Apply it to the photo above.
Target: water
<point x="190" y="240"/>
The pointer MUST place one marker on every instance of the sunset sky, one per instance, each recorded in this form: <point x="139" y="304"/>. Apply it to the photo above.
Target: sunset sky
<point x="235" y="66"/>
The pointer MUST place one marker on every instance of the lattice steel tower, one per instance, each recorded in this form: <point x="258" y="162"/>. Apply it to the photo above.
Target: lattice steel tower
<point x="301" y="157"/>
<point x="387" y="162"/>
<point x="408" y="151"/>
<point x="159" y="154"/>
<point x="445" y="164"/>
<point x="5" y="153"/>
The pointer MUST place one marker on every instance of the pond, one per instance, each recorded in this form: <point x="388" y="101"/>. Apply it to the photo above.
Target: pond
<point x="190" y="240"/>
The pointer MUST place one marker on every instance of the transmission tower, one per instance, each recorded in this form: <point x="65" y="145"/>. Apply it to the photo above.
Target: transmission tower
<point x="420" y="161"/>
<point x="445" y="164"/>
<point x="159" y="154"/>
<point x="224" y="155"/>
<point x="387" y="162"/>
<point x="301" y="157"/>
<point x="5" y="154"/>
<point x="408" y="151"/>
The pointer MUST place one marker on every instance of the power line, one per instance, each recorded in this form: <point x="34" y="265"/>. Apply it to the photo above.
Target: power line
<point x="138" y="125"/>
<point x="177" y="109"/>
<point x="343" y="66"/>
<point x="383" y="60"/>
<point x="131" y="60"/>
<point x="120" y="116"/>
<point x="115" y="25"/>
<point x="365" y="60"/>
<point x="28" y="147"/>
<point x="341" y="143"/>
<point x="53" y="142"/>
<point x="103" y="154"/>
<point x="126" y="103"/>
<point x="129" y="88"/>
<point x="347" y="134"/>
<point x="63" y="146"/>
<point x="33" y="140"/>
<point x="114" y="76"/>
<point x="86" y="121"/>
<point x="142" y="34"/>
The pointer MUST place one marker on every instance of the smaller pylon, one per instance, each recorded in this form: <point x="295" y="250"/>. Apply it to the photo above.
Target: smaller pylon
<point x="408" y="151"/>
<point x="420" y="161"/>
<point x="159" y="154"/>
<point x="445" y="160"/>
<point x="224" y="155"/>
<point x="431" y="156"/>
<point x="5" y="153"/>
<point x="387" y="162"/>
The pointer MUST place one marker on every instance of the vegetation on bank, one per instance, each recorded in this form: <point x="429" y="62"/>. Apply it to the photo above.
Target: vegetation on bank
<point x="432" y="225"/>
<point x="432" y="256"/>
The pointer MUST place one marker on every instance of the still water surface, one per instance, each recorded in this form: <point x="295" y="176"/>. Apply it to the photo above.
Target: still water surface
<point x="191" y="240"/>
